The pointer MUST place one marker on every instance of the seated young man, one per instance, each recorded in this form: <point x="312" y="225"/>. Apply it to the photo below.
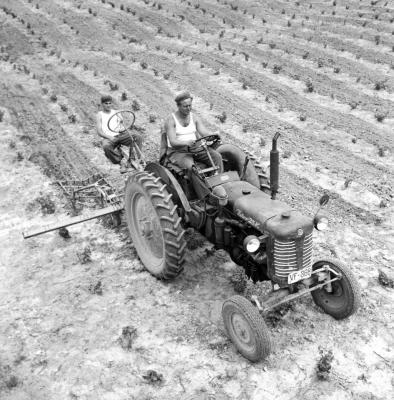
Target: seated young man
<point x="111" y="140"/>
<point x="183" y="129"/>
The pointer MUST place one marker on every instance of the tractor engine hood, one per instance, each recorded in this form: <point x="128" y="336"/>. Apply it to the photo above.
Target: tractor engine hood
<point x="266" y="215"/>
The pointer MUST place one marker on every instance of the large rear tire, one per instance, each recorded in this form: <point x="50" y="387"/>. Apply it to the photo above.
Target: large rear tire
<point x="154" y="225"/>
<point x="344" y="299"/>
<point x="263" y="178"/>
<point x="246" y="328"/>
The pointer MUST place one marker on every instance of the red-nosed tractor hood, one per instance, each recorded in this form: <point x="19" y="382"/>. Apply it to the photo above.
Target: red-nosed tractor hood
<point x="273" y="216"/>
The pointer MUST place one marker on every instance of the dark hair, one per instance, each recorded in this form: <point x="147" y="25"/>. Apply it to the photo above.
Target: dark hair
<point x="106" y="98"/>
<point x="182" y="96"/>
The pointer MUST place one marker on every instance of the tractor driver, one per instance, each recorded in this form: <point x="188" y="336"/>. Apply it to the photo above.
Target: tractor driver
<point x="183" y="129"/>
<point x="111" y="140"/>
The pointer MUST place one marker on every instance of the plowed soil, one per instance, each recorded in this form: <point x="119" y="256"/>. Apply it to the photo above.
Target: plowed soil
<point x="81" y="318"/>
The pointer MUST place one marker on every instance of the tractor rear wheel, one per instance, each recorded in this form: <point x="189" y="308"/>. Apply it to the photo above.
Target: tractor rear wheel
<point x="263" y="178"/>
<point x="154" y="225"/>
<point x="246" y="328"/>
<point x="344" y="298"/>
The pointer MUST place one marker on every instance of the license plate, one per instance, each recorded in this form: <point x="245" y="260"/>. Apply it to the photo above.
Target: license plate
<point x="299" y="275"/>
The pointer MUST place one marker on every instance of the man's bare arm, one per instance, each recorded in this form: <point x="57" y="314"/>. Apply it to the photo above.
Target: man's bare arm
<point x="201" y="129"/>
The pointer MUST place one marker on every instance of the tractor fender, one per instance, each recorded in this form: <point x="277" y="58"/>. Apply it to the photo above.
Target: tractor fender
<point x="178" y="195"/>
<point x="234" y="159"/>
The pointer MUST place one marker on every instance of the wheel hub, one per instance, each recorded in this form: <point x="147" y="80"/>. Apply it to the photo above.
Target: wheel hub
<point x="241" y="329"/>
<point x="146" y="228"/>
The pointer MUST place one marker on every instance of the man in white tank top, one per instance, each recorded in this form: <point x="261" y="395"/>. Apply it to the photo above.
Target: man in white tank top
<point x="111" y="140"/>
<point x="183" y="128"/>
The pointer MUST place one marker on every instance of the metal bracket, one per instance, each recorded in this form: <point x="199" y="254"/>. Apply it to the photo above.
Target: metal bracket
<point x="264" y="305"/>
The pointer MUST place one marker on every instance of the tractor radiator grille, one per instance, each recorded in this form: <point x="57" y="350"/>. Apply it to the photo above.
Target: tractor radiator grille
<point x="285" y="256"/>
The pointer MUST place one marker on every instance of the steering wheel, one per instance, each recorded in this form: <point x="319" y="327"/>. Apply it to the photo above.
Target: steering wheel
<point x="210" y="140"/>
<point x="121" y="121"/>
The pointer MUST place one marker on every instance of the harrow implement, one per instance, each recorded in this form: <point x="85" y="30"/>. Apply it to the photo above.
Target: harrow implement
<point x="90" y="192"/>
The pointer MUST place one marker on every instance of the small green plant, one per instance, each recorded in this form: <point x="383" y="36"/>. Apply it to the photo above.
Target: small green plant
<point x="276" y="69"/>
<point x="272" y="45"/>
<point x="96" y="288"/>
<point x="337" y="70"/>
<point x="72" y="118"/>
<point x="123" y="97"/>
<point x="305" y="55"/>
<point x="353" y="105"/>
<point x="152" y="118"/>
<point x="222" y="117"/>
<point x="323" y="368"/>
<point x="1" y="115"/>
<point x="46" y="204"/>
<point x="309" y="86"/>
<point x="380" y="115"/>
<point x="85" y="256"/>
<point x="384" y="279"/>
<point x="11" y="382"/>
<point x="244" y="86"/>
<point x="113" y="86"/>
<point x="347" y="182"/>
<point x="63" y="107"/>
<point x="302" y="117"/>
<point x="135" y="105"/>
<point x="381" y="85"/>
<point x="144" y="65"/>
<point x="53" y="98"/>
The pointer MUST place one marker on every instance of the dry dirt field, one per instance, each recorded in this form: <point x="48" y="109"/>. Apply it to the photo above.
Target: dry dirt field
<point x="319" y="72"/>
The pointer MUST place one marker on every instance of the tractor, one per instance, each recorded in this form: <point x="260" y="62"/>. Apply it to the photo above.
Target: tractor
<point x="237" y="211"/>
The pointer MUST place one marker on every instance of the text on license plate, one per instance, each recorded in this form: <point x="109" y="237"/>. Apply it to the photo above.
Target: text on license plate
<point x="298" y="275"/>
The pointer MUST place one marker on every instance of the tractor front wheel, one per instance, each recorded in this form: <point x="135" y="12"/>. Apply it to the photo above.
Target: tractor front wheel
<point x="246" y="328"/>
<point x="154" y="225"/>
<point x="343" y="298"/>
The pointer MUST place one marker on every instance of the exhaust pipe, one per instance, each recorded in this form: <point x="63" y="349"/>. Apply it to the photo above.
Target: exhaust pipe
<point x="274" y="167"/>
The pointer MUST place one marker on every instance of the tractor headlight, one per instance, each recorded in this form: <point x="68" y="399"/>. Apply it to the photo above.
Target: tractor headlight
<point x="251" y="243"/>
<point x="321" y="223"/>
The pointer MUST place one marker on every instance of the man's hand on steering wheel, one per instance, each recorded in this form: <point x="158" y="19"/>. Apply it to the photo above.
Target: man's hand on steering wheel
<point x="209" y="141"/>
